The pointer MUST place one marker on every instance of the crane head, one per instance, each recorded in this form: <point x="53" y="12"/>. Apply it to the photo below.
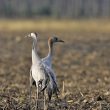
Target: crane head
<point x="56" y="39"/>
<point x="33" y="35"/>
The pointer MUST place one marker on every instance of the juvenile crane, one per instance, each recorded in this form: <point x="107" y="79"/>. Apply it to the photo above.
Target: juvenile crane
<point x="38" y="72"/>
<point x="52" y="88"/>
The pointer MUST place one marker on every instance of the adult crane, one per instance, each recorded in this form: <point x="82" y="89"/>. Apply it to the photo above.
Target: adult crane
<point x="39" y="73"/>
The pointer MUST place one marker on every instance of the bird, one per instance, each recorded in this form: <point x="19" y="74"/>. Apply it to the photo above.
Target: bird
<point x="38" y="72"/>
<point x="52" y="87"/>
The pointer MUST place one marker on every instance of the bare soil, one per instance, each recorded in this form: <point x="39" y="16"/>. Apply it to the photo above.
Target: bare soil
<point x="82" y="63"/>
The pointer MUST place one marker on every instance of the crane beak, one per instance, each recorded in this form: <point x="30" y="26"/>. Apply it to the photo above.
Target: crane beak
<point x="27" y="36"/>
<point x="60" y="41"/>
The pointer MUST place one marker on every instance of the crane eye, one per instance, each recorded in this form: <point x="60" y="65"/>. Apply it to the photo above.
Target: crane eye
<point x="56" y="38"/>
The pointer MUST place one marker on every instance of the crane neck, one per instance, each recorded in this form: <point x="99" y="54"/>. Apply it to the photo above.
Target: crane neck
<point x="34" y="44"/>
<point x="50" y="54"/>
<point x="35" y="57"/>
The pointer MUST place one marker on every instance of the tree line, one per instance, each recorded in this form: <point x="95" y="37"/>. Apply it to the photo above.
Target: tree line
<point x="55" y="8"/>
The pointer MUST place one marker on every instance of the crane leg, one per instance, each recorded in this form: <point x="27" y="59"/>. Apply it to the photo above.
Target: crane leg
<point x="37" y="97"/>
<point x="30" y="90"/>
<point x="44" y="99"/>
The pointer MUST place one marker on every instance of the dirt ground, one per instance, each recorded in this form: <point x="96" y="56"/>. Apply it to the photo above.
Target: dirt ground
<point x="82" y="64"/>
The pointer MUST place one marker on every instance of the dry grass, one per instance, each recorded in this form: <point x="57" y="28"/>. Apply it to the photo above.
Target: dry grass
<point x="95" y="25"/>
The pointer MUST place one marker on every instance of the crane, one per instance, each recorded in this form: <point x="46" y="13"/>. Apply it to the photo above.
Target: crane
<point x="38" y="72"/>
<point x="52" y="88"/>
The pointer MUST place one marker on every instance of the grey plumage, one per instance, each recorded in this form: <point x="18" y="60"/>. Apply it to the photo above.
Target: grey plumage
<point x="38" y="72"/>
<point x="52" y="87"/>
